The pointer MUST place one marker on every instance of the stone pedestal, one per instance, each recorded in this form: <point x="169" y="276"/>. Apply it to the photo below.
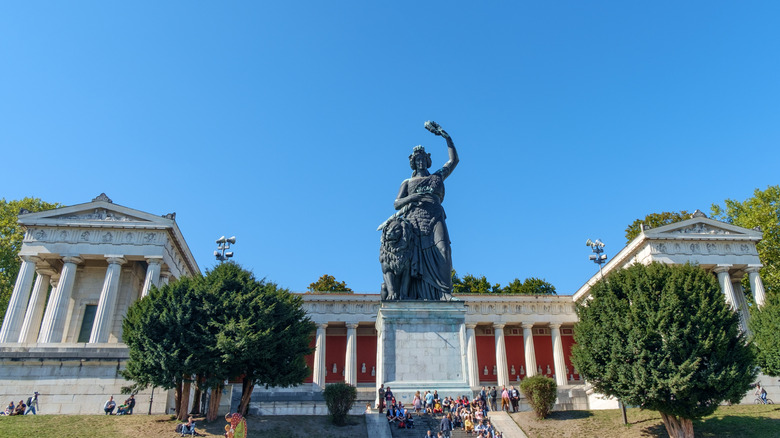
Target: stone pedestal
<point x="422" y="347"/>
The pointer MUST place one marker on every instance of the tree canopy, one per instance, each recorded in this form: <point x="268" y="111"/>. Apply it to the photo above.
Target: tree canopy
<point x="328" y="283"/>
<point x="471" y="284"/>
<point x="223" y="325"/>
<point x="11" y="235"/>
<point x="662" y="337"/>
<point x="655" y="220"/>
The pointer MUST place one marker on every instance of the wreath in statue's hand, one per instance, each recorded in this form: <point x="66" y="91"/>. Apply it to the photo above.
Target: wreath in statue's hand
<point x="434" y="127"/>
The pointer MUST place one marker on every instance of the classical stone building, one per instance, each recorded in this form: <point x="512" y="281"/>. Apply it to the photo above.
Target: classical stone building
<point x="93" y="260"/>
<point x="97" y="258"/>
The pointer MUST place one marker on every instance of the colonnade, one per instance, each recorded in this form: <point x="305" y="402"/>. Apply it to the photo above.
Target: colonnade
<point x="351" y="365"/>
<point x="501" y="353"/>
<point x="30" y="318"/>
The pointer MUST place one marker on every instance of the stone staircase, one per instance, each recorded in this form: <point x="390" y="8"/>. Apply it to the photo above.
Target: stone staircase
<point x="423" y="423"/>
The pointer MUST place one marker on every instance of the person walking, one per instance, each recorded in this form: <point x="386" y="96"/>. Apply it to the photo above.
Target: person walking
<point x="446" y="426"/>
<point x="32" y="404"/>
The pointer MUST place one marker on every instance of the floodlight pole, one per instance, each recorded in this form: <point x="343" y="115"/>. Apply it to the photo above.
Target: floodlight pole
<point x="224" y="245"/>
<point x="600" y="258"/>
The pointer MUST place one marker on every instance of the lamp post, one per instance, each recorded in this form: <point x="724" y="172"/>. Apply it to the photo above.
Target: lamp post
<point x="598" y="257"/>
<point x="224" y="245"/>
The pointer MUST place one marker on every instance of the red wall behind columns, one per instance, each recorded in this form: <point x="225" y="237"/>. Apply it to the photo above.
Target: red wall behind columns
<point x="335" y="352"/>
<point x="366" y="353"/>
<point x="544" y="355"/>
<point x="486" y="357"/>
<point x="567" y="340"/>
<point x="515" y="355"/>
<point x="310" y="361"/>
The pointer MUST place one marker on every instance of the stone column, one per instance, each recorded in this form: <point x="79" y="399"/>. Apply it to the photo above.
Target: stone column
<point x="154" y="265"/>
<point x="165" y="277"/>
<point x="54" y="319"/>
<point x="380" y="357"/>
<point x="560" y="363"/>
<point x="471" y="356"/>
<point x="725" y="284"/>
<point x="14" y="315"/>
<point x="530" y="353"/>
<point x="756" y="285"/>
<point x="319" y="356"/>
<point x="34" y="315"/>
<point x="350" y="362"/>
<point x="501" y="364"/>
<point x="104" y="316"/>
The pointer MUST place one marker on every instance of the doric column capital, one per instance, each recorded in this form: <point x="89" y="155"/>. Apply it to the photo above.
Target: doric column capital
<point x="76" y="260"/>
<point x="322" y="325"/>
<point x="30" y="259"/>
<point x="154" y="260"/>
<point x="471" y="325"/>
<point x="499" y="325"/>
<point x="46" y="271"/>
<point x="721" y="268"/>
<point x="164" y="273"/>
<point x="116" y="260"/>
<point x="753" y="269"/>
<point x="352" y="325"/>
<point x="555" y="326"/>
<point x="528" y="325"/>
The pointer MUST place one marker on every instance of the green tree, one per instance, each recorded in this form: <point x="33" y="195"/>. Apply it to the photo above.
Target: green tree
<point x="470" y="284"/>
<point x="223" y="325"/>
<point x="263" y="332"/>
<point x="530" y="286"/>
<point x="655" y="220"/>
<point x="328" y="283"/>
<point x="662" y="337"/>
<point x="164" y="333"/>
<point x="765" y="325"/>
<point x="11" y="235"/>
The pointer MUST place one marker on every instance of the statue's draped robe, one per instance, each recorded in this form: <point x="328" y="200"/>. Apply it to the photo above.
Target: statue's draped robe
<point x="431" y="268"/>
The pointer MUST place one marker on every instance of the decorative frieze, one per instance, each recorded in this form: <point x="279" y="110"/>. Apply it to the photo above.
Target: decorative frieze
<point x="703" y="248"/>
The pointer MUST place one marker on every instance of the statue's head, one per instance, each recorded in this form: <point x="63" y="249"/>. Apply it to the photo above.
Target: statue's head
<point x="419" y="151"/>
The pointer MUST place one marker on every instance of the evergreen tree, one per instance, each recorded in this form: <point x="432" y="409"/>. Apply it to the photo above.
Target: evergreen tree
<point x="328" y="283"/>
<point x="662" y="337"/>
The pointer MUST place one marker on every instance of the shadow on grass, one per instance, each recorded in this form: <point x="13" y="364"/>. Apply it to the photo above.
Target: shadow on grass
<point x="569" y="415"/>
<point x="737" y="426"/>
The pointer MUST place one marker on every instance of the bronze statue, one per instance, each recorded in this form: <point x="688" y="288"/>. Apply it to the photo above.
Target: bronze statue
<point x="415" y="252"/>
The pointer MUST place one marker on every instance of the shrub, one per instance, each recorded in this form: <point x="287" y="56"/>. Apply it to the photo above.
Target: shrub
<point x="541" y="393"/>
<point x="339" y="397"/>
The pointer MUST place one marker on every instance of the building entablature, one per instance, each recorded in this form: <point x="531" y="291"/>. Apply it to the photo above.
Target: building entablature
<point x="724" y="249"/>
<point x="336" y="309"/>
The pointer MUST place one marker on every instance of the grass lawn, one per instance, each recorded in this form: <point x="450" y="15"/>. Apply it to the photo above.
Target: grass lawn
<point x="152" y="426"/>
<point x="728" y="421"/>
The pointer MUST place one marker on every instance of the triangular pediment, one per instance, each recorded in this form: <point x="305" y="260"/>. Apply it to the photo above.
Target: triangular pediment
<point x="98" y="212"/>
<point x="701" y="227"/>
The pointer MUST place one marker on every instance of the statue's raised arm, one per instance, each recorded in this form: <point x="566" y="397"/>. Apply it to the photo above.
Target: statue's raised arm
<point x="453" y="160"/>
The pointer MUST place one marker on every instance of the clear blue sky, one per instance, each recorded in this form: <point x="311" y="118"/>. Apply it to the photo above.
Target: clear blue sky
<point x="289" y="123"/>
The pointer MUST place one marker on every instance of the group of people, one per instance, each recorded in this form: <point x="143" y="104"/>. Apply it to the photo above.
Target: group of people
<point x="457" y="413"/>
<point x="124" y="409"/>
<point x="22" y="408"/>
<point x="510" y="398"/>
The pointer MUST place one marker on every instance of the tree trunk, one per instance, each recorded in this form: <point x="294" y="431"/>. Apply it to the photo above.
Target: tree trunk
<point x="185" y="401"/>
<point x="247" y="386"/>
<point x="196" y="399"/>
<point x="213" y="410"/>
<point x="178" y="398"/>
<point x="677" y="427"/>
